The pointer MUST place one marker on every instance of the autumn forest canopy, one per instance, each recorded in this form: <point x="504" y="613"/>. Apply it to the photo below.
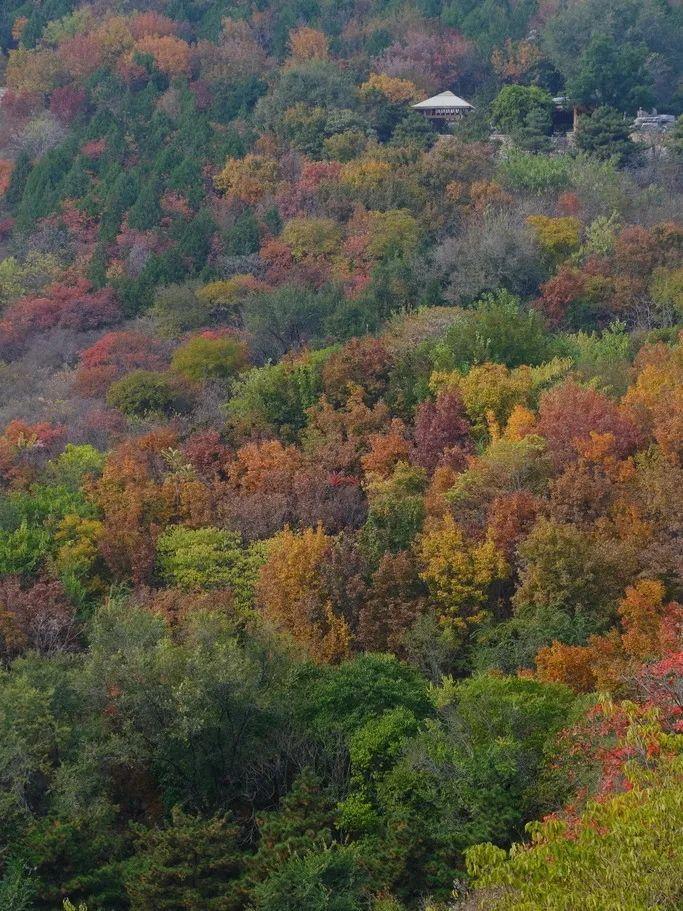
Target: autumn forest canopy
<point x="341" y="456"/>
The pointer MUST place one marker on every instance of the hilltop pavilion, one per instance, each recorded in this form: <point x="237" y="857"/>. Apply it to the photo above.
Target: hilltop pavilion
<point x="445" y="106"/>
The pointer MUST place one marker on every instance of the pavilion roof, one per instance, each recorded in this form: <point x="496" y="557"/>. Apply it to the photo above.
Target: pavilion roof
<point x="442" y="100"/>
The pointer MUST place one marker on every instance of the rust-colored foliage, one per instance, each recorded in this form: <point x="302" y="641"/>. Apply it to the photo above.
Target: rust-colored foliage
<point x="151" y="22"/>
<point x="363" y="363"/>
<point x="308" y="44"/>
<point x="136" y="504"/>
<point x="37" y="616"/>
<point x="208" y="454"/>
<point x="176" y="607"/>
<point x="442" y="433"/>
<point x="291" y="594"/>
<point x="650" y="630"/>
<point x="6" y="168"/>
<point x="67" y="102"/>
<point x="397" y="597"/>
<point x="387" y="450"/>
<point x="113" y="355"/>
<point x="569" y="413"/>
<point x="81" y="55"/>
<point x="24" y="449"/>
<point x="565" y="288"/>
<point x="68" y="306"/>
<point x="338" y="437"/>
<point x="171" y="54"/>
<point x="655" y="400"/>
<point x="510" y="518"/>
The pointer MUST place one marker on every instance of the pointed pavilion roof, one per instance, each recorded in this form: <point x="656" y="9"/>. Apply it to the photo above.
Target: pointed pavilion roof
<point x="443" y="100"/>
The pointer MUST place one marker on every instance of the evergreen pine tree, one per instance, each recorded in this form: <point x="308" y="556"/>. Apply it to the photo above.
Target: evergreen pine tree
<point x="22" y="169"/>
<point x="76" y="183"/>
<point x="146" y="212"/>
<point x="332" y="879"/>
<point x="17" y="889"/>
<point x="675" y="141"/>
<point x="304" y="821"/>
<point x="123" y="192"/>
<point x="244" y="236"/>
<point x="606" y="134"/>
<point x="194" y="864"/>
<point x="273" y="220"/>
<point x="194" y="242"/>
<point x="534" y="134"/>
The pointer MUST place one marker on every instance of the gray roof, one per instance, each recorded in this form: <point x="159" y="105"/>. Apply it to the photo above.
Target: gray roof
<point x="443" y="100"/>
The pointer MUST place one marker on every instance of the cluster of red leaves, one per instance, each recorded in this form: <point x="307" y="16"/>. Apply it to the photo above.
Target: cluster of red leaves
<point x="67" y="102"/>
<point x="598" y="746"/>
<point x="569" y="414"/>
<point x="610" y="286"/>
<point x="208" y="455"/>
<point x="300" y="197"/>
<point x="39" y="616"/>
<point x="76" y="306"/>
<point x="661" y="683"/>
<point x="430" y="60"/>
<point x="310" y="272"/>
<point x="113" y="355"/>
<point x="442" y="433"/>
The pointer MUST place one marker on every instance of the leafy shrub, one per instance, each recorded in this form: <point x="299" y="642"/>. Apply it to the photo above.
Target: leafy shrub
<point x="143" y="393"/>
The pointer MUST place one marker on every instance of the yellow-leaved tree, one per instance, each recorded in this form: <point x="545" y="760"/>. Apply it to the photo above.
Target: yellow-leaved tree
<point x="460" y="572"/>
<point x="291" y="593"/>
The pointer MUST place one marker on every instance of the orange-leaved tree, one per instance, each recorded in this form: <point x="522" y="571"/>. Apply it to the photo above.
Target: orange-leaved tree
<point x="291" y="593"/>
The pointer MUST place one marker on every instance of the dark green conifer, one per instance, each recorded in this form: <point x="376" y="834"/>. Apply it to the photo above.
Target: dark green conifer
<point x="193" y="864"/>
<point x="303" y="821"/>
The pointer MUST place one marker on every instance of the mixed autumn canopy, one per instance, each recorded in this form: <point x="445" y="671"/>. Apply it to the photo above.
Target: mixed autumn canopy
<point x="341" y="456"/>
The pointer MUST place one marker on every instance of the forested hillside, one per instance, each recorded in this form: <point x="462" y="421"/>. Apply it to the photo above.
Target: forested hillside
<point x="341" y="456"/>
